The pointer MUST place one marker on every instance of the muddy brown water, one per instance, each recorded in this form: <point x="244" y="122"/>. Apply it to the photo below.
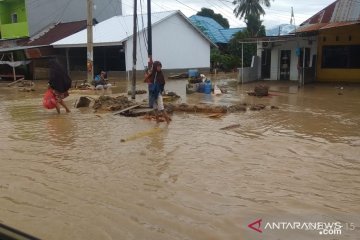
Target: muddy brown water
<point x="70" y="176"/>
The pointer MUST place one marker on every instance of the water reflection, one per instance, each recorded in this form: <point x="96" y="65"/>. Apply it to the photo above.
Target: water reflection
<point x="99" y="176"/>
<point x="61" y="129"/>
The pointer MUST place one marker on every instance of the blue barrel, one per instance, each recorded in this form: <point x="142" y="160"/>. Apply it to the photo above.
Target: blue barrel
<point x="193" y="73"/>
<point x="201" y="88"/>
<point x="207" y="87"/>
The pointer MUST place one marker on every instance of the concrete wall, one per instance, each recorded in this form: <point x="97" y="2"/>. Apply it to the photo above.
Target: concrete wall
<point x="347" y="35"/>
<point x="175" y="43"/>
<point x="277" y="46"/>
<point x="44" y="13"/>
<point x="249" y="74"/>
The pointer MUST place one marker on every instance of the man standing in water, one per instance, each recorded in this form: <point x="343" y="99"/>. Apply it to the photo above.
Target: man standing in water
<point x="156" y="81"/>
<point x="59" y="83"/>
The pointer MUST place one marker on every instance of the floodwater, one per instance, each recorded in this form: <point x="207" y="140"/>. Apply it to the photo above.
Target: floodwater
<point x="70" y="176"/>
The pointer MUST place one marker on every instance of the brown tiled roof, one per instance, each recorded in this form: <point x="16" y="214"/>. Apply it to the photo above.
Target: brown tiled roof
<point x="59" y="31"/>
<point x="324" y="16"/>
<point x="339" y="24"/>
<point x="310" y="27"/>
<point x="329" y="17"/>
<point x="322" y="26"/>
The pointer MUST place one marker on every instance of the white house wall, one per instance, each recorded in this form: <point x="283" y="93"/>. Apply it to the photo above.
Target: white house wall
<point x="290" y="45"/>
<point x="175" y="43"/>
<point x="44" y="13"/>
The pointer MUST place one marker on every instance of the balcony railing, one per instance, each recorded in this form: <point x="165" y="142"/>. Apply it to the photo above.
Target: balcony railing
<point x="14" y="30"/>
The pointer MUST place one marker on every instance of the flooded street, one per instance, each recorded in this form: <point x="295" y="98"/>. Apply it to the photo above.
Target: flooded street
<point x="70" y="176"/>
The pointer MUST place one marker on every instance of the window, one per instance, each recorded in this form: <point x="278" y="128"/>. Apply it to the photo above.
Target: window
<point x="341" y="56"/>
<point x="14" y="18"/>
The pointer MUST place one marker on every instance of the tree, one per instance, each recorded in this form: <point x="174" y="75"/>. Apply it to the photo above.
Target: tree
<point x="206" y="12"/>
<point x="235" y="47"/>
<point x="254" y="26"/>
<point x="250" y="7"/>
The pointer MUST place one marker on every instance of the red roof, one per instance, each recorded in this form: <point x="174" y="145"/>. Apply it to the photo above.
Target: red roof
<point x="324" y="16"/>
<point x="59" y="31"/>
<point x="336" y="14"/>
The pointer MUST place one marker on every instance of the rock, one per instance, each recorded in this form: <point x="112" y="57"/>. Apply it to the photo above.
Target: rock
<point x="83" y="102"/>
<point x="261" y="90"/>
<point x="237" y="108"/>
<point x="257" y="107"/>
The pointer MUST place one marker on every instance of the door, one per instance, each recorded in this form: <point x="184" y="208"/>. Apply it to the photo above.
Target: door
<point x="285" y="56"/>
<point x="265" y="63"/>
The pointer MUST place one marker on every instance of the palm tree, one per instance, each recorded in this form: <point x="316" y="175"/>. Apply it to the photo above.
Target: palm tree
<point x="250" y="7"/>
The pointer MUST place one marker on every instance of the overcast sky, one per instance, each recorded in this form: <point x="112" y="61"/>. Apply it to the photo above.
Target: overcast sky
<point x="278" y="13"/>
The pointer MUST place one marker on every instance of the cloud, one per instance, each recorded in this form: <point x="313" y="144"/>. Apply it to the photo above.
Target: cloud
<point x="278" y="13"/>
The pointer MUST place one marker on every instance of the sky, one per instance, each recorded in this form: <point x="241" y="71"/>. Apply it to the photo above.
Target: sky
<point x="278" y="13"/>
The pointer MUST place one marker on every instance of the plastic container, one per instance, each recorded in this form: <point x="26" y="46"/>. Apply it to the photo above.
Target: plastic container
<point x="207" y="88"/>
<point x="193" y="73"/>
<point x="201" y="88"/>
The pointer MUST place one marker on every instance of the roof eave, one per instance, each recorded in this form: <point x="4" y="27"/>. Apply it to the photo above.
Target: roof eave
<point x="103" y="44"/>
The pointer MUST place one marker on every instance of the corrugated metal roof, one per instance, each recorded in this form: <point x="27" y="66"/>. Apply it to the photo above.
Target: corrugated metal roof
<point x="116" y="30"/>
<point x="58" y="32"/>
<point x="334" y="15"/>
<point x="339" y="24"/>
<point x="213" y="29"/>
<point x="322" y="26"/>
<point x="310" y="27"/>
<point x="229" y="33"/>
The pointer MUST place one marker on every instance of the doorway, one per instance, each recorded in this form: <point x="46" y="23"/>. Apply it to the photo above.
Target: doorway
<point x="285" y="56"/>
<point x="265" y="63"/>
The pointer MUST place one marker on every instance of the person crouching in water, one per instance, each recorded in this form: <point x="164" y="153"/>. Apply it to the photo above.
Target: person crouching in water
<point x="59" y="83"/>
<point x="100" y="81"/>
<point x="156" y="83"/>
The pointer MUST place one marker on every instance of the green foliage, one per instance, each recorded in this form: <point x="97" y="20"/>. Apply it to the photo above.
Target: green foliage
<point x="244" y="8"/>
<point x="223" y="61"/>
<point x="235" y="48"/>
<point x="254" y="26"/>
<point x="206" y="12"/>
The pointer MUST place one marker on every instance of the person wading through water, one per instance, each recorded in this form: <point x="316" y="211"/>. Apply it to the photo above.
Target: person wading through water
<point x="59" y="83"/>
<point x="156" y="81"/>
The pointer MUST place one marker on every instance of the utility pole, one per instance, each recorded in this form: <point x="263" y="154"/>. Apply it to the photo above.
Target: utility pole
<point x="150" y="61"/>
<point x="89" y="64"/>
<point x="133" y="86"/>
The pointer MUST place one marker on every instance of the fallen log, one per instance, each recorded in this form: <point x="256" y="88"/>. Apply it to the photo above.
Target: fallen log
<point x="127" y="109"/>
<point x="14" y="82"/>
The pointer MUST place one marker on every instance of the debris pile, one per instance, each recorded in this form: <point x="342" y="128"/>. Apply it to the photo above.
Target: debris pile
<point x="137" y="92"/>
<point x="108" y="103"/>
<point x="260" y="91"/>
<point x="23" y="85"/>
<point x="203" y="108"/>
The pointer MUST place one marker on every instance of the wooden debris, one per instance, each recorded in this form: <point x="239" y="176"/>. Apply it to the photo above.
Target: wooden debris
<point x="127" y="109"/>
<point x="230" y="127"/>
<point x="15" y="82"/>
<point x="137" y="92"/>
<point x="136" y="112"/>
<point x="216" y="115"/>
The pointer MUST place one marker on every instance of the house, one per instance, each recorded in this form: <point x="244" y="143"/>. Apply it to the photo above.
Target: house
<point x="177" y="43"/>
<point x="337" y="29"/>
<point x="27" y="28"/>
<point x="326" y="47"/>
<point x="213" y="30"/>
<point x="27" y="18"/>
